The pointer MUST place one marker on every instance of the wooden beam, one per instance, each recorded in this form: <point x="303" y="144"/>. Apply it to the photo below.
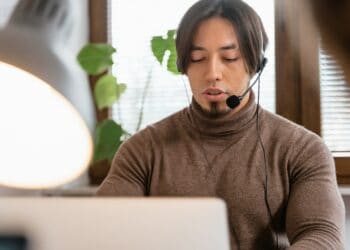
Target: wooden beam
<point x="297" y="67"/>
<point x="98" y="11"/>
<point x="98" y="21"/>
<point x="309" y="69"/>
<point x="288" y="98"/>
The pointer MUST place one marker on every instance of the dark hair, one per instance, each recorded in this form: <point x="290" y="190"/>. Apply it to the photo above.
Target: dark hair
<point x="251" y="34"/>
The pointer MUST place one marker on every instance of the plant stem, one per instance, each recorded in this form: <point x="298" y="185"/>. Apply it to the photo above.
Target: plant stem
<point x="144" y="94"/>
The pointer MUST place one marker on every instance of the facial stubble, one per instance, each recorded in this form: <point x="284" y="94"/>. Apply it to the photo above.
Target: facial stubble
<point x="214" y="109"/>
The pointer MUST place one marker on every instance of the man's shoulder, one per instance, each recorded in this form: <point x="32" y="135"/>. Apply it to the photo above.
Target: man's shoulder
<point x="279" y="126"/>
<point x="170" y="128"/>
<point x="293" y="137"/>
<point x="277" y="120"/>
<point x="154" y="130"/>
<point x="168" y="122"/>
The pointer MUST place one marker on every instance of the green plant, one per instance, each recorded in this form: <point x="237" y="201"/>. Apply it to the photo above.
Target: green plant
<point x="165" y="51"/>
<point x="96" y="59"/>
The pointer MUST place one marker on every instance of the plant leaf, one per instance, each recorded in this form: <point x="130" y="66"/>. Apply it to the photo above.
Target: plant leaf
<point x="171" y="66"/>
<point x="160" y="46"/>
<point x="121" y="87"/>
<point x="105" y="91"/>
<point x="96" y="58"/>
<point x="107" y="140"/>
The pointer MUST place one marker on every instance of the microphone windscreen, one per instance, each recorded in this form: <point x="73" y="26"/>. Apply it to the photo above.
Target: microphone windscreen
<point x="233" y="101"/>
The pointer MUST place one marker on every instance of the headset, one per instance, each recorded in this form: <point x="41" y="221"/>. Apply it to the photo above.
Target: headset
<point x="233" y="102"/>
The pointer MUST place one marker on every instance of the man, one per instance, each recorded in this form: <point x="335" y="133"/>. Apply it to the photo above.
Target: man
<point x="275" y="176"/>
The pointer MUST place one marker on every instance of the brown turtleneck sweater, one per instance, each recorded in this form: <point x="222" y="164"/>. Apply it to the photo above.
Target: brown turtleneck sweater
<point x="193" y="154"/>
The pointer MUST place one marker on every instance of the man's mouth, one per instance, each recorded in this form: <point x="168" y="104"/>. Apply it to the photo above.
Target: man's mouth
<point x="213" y="91"/>
<point x="214" y="94"/>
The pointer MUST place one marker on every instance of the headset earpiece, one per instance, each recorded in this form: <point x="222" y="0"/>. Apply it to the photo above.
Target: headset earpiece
<point x="262" y="64"/>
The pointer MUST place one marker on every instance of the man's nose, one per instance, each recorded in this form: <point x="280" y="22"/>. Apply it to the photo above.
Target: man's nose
<point x="214" y="70"/>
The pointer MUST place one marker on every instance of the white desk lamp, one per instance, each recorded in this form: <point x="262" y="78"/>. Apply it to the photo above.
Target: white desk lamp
<point x="46" y="107"/>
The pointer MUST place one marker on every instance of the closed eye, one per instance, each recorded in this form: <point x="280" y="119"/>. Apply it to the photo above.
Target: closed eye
<point x="197" y="60"/>
<point x="231" y="59"/>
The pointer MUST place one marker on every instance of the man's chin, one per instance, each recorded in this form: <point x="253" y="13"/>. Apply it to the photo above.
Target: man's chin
<point x="216" y="108"/>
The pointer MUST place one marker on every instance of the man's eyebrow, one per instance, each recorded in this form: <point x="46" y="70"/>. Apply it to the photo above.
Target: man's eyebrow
<point x="226" y="47"/>
<point x="195" y="47"/>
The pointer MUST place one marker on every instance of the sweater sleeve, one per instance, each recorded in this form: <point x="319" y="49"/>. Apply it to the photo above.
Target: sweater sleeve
<point x="315" y="216"/>
<point x="129" y="170"/>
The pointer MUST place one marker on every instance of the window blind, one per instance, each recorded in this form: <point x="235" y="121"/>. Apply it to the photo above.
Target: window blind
<point x="152" y="92"/>
<point x="335" y="105"/>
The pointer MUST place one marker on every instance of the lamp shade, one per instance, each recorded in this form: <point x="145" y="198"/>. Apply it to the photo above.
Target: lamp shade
<point x="45" y="101"/>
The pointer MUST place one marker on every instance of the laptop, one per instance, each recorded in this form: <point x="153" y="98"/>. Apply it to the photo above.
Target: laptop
<point x="55" y="223"/>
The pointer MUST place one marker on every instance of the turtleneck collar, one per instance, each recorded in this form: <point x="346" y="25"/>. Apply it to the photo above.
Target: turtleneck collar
<point x="221" y="124"/>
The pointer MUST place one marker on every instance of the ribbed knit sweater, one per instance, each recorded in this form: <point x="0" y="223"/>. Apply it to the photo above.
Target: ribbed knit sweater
<point x="192" y="153"/>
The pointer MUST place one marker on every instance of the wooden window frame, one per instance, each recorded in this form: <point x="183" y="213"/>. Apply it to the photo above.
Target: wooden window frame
<point x="98" y="33"/>
<point x="297" y="70"/>
<point x="297" y="67"/>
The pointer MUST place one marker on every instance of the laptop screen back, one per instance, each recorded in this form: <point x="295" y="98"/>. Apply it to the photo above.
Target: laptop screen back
<point x="114" y="223"/>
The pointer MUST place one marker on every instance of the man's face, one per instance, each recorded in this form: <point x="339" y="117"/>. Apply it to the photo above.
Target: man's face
<point x="216" y="69"/>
